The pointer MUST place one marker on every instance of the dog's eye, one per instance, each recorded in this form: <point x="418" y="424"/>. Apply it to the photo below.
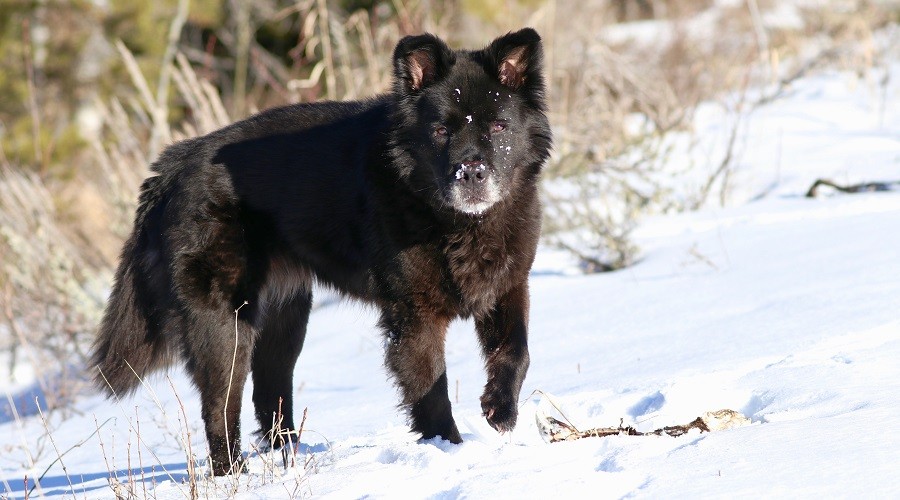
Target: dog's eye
<point x="498" y="126"/>
<point x="440" y="131"/>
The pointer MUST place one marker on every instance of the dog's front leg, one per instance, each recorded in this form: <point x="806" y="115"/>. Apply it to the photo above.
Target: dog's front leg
<point x="415" y="357"/>
<point x="503" y="332"/>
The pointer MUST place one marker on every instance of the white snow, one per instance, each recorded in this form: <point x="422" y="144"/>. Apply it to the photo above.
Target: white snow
<point x="784" y="308"/>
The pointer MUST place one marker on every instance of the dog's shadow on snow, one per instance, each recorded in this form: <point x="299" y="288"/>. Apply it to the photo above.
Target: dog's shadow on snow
<point x="29" y="400"/>
<point x="23" y="403"/>
<point x="79" y="484"/>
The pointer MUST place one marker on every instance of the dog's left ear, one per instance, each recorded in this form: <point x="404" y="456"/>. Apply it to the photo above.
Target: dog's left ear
<point x="516" y="57"/>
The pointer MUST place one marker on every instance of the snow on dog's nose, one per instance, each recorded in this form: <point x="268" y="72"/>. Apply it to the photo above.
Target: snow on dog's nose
<point x="475" y="189"/>
<point x="472" y="172"/>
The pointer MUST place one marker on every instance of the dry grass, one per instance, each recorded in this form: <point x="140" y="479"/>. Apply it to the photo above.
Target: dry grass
<point x="51" y="292"/>
<point x="619" y="95"/>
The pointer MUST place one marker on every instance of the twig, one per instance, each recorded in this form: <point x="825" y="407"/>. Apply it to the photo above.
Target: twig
<point x="21" y="433"/>
<point x="112" y="476"/>
<point x="53" y="442"/>
<point x="23" y="339"/>
<point x="325" y="40"/>
<point x="695" y="253"/>
<point x="32" y="96"/>
<point x="724" y="166"/>
<point x="785" y="83"/>
<point x="128" y="466"/>
<point x="865" y="187"/>
<point x="191" y="466"/>
<point x="228" y="389"/>
<point x="552" y="402"/>
<point x="242" y="56"/>
<point x="300" y="429"/>
<point x="140" y="440"/>
<point x="6" y="485"/>
<point x="161" y="109"/>
<point x="140" y="456"/>
<point x="592" y="264"/>
<point x="762" y="39"/>
<point x="362" y="21"/>
<point x="137" y="77"/>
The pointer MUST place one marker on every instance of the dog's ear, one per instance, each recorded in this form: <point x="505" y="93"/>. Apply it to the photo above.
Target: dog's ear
<point x="516" y="57"/>
<point x="420" y="61"/>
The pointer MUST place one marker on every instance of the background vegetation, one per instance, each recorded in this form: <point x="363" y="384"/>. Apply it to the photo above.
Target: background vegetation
<point x="92" y="90"/>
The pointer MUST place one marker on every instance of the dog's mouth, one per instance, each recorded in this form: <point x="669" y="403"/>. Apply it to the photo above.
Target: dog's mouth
<point x="474" y="199"/>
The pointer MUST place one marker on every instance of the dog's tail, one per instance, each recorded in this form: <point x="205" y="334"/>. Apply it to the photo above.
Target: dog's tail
<point x="130" y="342"/>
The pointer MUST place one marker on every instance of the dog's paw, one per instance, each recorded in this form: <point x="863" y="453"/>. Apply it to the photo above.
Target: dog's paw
<point x="238" y="465"/>
<point x="267" y="441"/>
<point x="499" y="407"/>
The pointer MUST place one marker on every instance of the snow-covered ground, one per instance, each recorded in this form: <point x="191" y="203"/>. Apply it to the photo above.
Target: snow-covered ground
<point x="784" y="308"/>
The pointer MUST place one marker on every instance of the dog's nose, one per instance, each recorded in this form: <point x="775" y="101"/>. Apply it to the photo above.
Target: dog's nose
<point x="472" y="172"/>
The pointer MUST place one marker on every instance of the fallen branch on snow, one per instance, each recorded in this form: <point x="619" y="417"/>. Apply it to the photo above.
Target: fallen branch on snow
<point x="865" y="187"/>
<point x="553" y="430"/>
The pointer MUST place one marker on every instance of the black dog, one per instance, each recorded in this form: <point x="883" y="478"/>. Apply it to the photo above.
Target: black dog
<point x="422" y="202"/>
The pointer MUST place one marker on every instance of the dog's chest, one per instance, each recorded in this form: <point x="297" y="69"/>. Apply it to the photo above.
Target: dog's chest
<point x="479" y="265"/>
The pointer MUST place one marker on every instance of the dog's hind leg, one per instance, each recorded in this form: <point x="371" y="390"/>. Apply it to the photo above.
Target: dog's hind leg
<point x="274" y="356"/>
<point x="415" y="357"/>
<point x="218" y="361"/>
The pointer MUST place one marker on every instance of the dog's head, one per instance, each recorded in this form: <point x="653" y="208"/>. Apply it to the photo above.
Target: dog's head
<point x="470" y="125"/>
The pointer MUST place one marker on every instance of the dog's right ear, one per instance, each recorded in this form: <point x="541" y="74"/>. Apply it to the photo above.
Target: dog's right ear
<point x="420" y="61"/>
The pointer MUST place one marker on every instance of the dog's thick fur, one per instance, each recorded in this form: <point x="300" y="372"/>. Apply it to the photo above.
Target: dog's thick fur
<point x="422" y="202"/>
